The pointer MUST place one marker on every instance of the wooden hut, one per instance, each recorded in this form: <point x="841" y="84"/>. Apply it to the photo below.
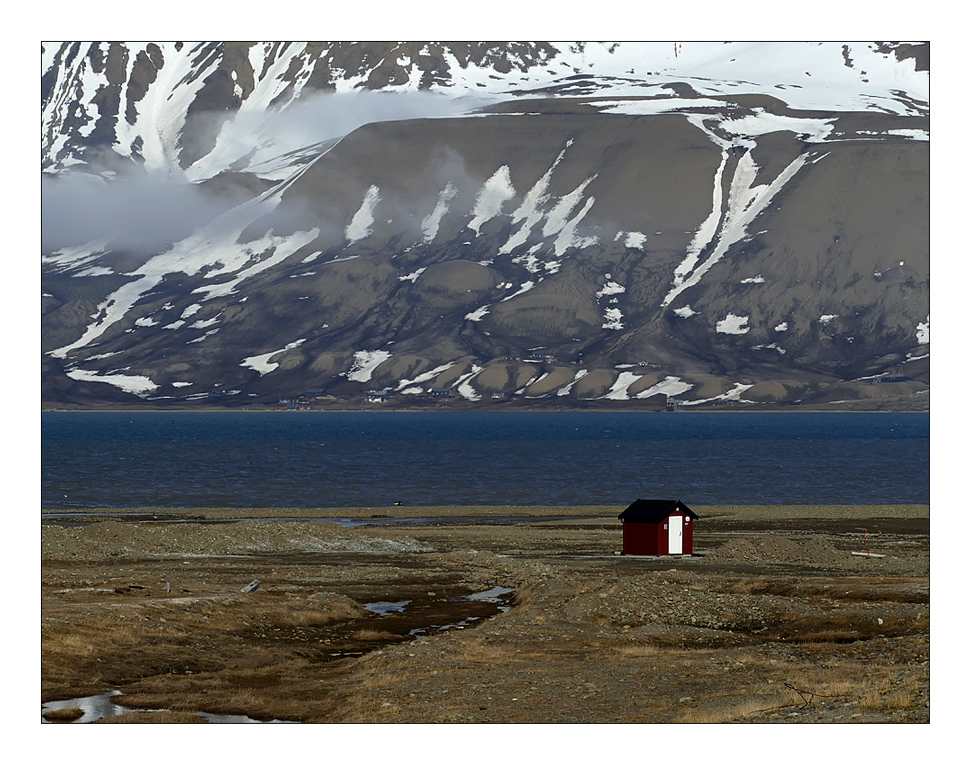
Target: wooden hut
<point x="658" y="527"/>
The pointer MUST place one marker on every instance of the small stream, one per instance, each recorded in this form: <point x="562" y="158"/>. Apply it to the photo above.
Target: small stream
<point x="496" y="595"/>
<point x="101" y="706"/>
<point x="383" y="608"/>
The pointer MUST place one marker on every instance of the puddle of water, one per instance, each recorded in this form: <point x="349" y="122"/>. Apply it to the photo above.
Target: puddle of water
<point x="426" y="630"/>
<point x="235" y="719"/>
<point x="495" y="594"/>
<point x="383" y="608"/>
<point x="94" y="707"/>
<point x="492" y="595"/>
<point x="100" y="706"/>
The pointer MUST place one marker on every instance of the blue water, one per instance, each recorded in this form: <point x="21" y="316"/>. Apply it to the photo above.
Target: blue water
<point x="117" y="460"/>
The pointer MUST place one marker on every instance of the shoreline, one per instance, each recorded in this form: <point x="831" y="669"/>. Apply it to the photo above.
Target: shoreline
<point x="478" y="410"/>
<point x="718" y="511"/>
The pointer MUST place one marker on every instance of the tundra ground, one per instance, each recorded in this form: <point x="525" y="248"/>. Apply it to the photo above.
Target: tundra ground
<point x="776" y="618"/>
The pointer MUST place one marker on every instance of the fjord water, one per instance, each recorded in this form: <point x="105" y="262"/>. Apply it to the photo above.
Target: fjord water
<point x="308" y="459"/>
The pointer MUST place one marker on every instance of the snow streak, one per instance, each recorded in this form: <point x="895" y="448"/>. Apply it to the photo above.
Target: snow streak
<point x="745" y="202"/>
<point x="365" y="362"/>
<point x="360" y="226"/>
<point x="262" y="364"/>
<point x="488" y="204"/>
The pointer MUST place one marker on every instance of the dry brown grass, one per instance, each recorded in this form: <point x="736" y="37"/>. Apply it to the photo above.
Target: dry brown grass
<point x="730" y="712"/>
<point x="479" y="650"/>
<point x="849" y="626"/>
<point x="283" y="693"/>
<point x="153" y="717"/>
<point x="645" y="649"/>
<point x="838" y="688"/>
<point x="766" y="698"/>
<point x="382" y="680"/>
<point x="892" y="695"/>
<point x="851" y="589"/>
<point x="91" y="636"/>
<point x="64" y="715"/>
<point x="311" y="614"/>
<point x="373" y="635"/>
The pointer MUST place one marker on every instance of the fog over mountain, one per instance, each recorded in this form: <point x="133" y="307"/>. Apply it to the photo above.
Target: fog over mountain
<point x="505" y="224"/>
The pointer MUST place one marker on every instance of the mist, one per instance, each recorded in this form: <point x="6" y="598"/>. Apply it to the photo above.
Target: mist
<point x="257" y="137"/>
<point x="139" y="213"/>
<point x="144" y="212"/>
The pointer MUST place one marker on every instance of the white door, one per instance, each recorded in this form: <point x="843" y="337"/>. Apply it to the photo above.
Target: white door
<point x="675" y="543"/>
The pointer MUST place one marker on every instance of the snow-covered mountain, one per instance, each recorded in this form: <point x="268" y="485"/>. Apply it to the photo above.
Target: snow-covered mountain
<point x="542" y="222"/>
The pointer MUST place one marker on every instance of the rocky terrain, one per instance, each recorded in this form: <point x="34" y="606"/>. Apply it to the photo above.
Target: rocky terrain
<point x="485" y="224"/>
<point x="779" y="617"/>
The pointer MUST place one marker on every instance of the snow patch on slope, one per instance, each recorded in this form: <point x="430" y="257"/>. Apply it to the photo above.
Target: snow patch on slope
<point x="668" y="386"/>
<point x="620" y="388"/>
<point x="497" y="190"/>
<point x="215" y="249"/>
<point x="733" y="394"/>
<point x="129" y="383"/>
<point x="610" y="288"/>
<point x="579" y="375"/>
<point x="732" y="324"/>
<point x="463" y="385"/>
<point x="529" y="212"/>
<point x="365" y="362"/>
<point x="613" y="319"/>
<point x="360" y="225"/>
<point x="923" y="332"/>
<point x="521" y="290"/>
<point x="262" y="364"/>
<point x="429" y="226"/>
<point x="424" y="377"/>
<point x="745" y="202"/>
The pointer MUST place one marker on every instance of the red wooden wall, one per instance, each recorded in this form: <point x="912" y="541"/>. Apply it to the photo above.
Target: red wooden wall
<point x="652" y="538"/>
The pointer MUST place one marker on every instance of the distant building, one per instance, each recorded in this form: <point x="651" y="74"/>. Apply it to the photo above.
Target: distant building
<point x="658" y="527"/>
<point x="540" y="356"/>
<point x="442" y="392"/>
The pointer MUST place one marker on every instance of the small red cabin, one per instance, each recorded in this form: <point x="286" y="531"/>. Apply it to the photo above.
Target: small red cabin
<point x="658" y="527"/>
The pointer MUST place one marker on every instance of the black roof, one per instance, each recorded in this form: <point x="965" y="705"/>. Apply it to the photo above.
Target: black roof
<point x="654" y="510"/>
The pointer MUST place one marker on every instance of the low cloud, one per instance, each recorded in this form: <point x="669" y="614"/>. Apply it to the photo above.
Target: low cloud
<point x="139" y="213"/>
<point x="258" y="136"/>
<point x="144" y="212"/>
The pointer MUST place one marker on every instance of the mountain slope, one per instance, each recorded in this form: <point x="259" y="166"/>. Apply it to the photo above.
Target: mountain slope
<point x="540" y="222"/>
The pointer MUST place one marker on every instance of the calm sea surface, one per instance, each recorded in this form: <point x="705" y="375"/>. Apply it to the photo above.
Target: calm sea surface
<point x="304" y="459"/>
